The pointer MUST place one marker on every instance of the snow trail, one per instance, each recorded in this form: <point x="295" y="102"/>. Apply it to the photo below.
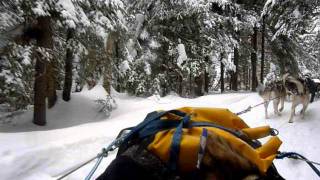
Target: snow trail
<point x="75" y="133"/>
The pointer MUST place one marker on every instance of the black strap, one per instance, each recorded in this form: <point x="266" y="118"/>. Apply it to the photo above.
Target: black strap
<point x="294" y="155"/>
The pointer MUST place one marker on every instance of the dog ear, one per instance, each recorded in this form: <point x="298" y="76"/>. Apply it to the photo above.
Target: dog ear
<point x="224" y="162"/>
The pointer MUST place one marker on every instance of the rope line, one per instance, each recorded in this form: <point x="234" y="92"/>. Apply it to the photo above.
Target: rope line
<point x="104" y="153"/>
<point x="251" y="107"/>
<point x="76" y="168"/>
<point x="95" y="167"/>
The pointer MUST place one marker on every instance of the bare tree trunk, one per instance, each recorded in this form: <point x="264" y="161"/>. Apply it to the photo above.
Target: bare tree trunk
<point x="262" y="49"/>
<point x="206" y="81"/>
<point x="44" y="39"/>
<point x="68" y="67"/>
<point x="190" y="84"/>
<point x="198" y="85"/>
<point x="235" y="73"/>
<point x="244" y="76"/>
<point x="254" y="60"/>
<point x="51" y="85"/>
<point x="248" y="77"/>
<point x="111" y="52"/>
<point x="221" y="74"/>
<point x="180" y="87"/>
<point x="39" y="114"/>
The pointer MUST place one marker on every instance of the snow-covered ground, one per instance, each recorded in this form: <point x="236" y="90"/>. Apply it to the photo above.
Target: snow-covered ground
<point x="76" y="132"/>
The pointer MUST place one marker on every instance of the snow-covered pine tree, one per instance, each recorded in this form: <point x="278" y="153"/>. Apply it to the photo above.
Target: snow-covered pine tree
<point x="286" y="21"/>
<point x="202" y="27"/>
<point x="45" y="24"/>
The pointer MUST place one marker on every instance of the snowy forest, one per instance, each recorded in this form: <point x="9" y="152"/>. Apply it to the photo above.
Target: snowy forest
<point x="149" y="47"/>
<point x="51" y="51"/>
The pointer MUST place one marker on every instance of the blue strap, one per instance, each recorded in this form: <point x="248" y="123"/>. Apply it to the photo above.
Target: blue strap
<point x="202" y="146"/>
<point x="152" y="117"/>
<point x="175" y="145"/>
<point x="238" y="134"/>
<point x="157" y="126"/>
<point x="209" y="124"/>
<point x="295" y="155"/>
<point x="149" y="118"/>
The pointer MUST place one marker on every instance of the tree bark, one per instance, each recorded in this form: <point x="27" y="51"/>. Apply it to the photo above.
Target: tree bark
<point x="39" y="114"/>
<point x="235" y="73"/>
<point x="44" y="39"/>
<point x="180" y="87"/>
<point x="198" y="85"/>
<point x="51" y="85"/>
<point x="249" y="78"/>
<point x="191" y="93"/>
<point x="221" y="74"/>
<point x="254" y="79"/>
<point x="66" y="95"/>
<point x="206" y="81"/>
<point x="111" y="52"/>
<point x="262" y="49"/>
<point x="245" y="76"/>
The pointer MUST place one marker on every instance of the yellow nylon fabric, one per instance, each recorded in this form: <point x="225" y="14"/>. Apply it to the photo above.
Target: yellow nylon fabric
<point x="189" y="145"/>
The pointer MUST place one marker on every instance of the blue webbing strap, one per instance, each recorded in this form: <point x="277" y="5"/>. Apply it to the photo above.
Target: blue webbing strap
<point x="157" y="126"/>
<point x="295" y="155"/>
<point x="209" y="124"/>
<point x="150" y="118"/>
<point x="202" y="146"/>
<point x="175" y="145"/>
<point x="239" y="134"/>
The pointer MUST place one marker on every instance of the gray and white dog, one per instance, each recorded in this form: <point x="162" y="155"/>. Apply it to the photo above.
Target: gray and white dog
<point x="299" y="91"/>
<point x="272" y="91"/>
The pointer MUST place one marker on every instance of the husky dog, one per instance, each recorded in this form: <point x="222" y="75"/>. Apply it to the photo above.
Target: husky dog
<point x="299" y="91"/>
<point x="272" y="91"/>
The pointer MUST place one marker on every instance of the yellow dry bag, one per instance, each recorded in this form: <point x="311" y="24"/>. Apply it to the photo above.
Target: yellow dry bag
<point x="177" y="136"/>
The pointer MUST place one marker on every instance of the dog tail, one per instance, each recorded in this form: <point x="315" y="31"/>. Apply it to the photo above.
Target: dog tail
<point x="260" y="88"/>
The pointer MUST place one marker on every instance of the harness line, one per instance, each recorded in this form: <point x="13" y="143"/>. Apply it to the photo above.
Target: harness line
<point x="76" y="168"/>
<point x="251" y="107"/>
<point x="104" y="153"/>
<point x="294" y="155"/>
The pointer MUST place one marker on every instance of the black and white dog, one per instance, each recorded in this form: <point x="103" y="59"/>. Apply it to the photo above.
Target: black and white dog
<point x="317" y="87"/>
<point x="298" y="88"/>
<point x="272" y="91"/>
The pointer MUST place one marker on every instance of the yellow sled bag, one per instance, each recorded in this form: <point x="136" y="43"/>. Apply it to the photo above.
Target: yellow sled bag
<point x="177" y="135"/>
